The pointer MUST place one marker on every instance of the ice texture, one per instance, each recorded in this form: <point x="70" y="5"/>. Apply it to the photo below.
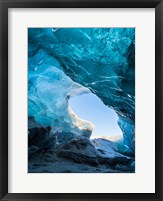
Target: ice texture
<point x="65" y="62"/>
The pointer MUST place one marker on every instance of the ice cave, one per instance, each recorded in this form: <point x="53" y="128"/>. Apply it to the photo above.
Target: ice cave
<point x="66" y="63"/>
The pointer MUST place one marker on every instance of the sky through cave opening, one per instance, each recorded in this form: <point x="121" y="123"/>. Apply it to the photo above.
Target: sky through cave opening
<point x="89" y="107"/>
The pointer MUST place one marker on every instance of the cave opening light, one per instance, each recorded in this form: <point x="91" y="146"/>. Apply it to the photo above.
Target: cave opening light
<point x="89" y="107"/>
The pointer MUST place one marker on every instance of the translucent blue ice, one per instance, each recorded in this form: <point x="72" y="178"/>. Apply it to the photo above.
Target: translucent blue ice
<point x="63" y="62"/>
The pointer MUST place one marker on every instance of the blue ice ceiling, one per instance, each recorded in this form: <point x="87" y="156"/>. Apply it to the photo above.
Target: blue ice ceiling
<point x="65" y="62"/>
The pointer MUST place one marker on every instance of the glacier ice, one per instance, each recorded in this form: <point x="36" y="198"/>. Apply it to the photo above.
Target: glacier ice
<point x="65" y="62"/>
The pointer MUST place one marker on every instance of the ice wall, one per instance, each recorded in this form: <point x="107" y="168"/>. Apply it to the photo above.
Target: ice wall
<point x="63" y="62"/>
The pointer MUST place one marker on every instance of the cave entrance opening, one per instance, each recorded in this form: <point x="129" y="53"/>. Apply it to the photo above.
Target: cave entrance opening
<point x="89" y="107"/>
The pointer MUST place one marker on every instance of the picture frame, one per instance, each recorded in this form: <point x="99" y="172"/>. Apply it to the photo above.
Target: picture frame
<point x="5" y="4"/>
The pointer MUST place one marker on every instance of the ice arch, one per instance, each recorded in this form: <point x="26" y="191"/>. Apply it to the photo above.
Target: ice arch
<point x="89" y="107"/>
<point x="100" y="59"/>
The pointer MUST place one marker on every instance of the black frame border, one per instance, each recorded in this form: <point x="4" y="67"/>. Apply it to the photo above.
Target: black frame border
<point x="4" y="5"/>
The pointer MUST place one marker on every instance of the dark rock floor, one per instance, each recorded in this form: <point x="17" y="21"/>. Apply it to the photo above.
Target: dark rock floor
<point x="79" y="156"/>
